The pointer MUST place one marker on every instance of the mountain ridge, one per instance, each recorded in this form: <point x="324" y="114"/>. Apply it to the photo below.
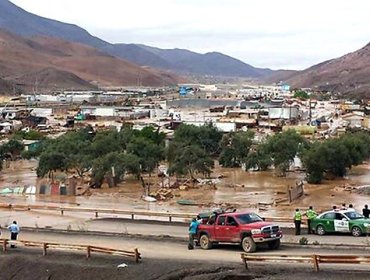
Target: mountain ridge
<point x="21" y="22"/>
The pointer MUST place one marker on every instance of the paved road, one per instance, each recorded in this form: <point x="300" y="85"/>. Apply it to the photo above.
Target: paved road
<point x="79" y="222"/>
<point x="169" y="250"/>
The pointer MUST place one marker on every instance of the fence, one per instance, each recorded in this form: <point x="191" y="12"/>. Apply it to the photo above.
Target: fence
<point x="130" y="213"/>
<point x="87" y="248"/>
<point x="314" y="259"/>
<point x="295" y="192"/>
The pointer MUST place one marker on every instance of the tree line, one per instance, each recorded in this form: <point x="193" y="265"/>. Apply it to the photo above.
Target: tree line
<point x="191" y="151"/>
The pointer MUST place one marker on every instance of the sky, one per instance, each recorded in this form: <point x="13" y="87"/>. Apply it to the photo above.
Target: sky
<point x="278" y="34"/>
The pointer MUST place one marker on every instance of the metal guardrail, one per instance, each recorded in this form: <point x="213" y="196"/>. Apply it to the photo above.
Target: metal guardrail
<point x="131" y="213"/>
<point x="88" y="248"/>
<point x="314" y="259"/>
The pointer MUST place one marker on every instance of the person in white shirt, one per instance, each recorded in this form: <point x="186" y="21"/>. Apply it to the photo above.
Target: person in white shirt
<point x="14" y="230"/>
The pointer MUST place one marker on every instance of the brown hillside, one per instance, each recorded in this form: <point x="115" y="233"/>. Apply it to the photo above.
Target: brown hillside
<point x="347" y="74"/>
<point x="55" y="63"/>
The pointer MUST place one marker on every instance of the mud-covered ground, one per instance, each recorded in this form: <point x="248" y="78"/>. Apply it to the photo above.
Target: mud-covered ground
<point x="30" y="264"/>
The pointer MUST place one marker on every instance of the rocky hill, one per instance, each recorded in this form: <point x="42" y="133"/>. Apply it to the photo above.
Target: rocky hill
<point x="51" y="62"/>
<point x="347" y="74"/>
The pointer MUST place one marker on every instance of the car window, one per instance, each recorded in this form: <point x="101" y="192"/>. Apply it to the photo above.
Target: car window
<point x="352" y="215"/>
<point x="231" y="221"/>
<point x="339" y="216"/>
<point x="221" y="220"/>
<point x="329" y="216"/>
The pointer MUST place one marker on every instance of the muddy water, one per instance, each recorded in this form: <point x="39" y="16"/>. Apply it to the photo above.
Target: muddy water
<point x="241" y="189"/>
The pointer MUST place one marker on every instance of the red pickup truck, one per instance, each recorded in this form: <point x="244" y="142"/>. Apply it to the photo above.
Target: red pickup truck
<point x="247" y="229"/>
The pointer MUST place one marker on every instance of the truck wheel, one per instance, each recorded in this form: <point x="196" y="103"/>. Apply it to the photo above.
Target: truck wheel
<point x="356" y="231"/>
<point x="205" y="243"/>
<point x="274" y="245"/>
<point x="249" y="245"/>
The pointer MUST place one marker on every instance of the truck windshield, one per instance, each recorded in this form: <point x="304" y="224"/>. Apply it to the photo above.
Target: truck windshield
<point x="248" y="218"/>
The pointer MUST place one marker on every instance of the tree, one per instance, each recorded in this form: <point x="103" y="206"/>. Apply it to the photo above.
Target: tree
<point x="283" y="147"/>
<point x="259" y="158"/>
<point x="334" y="156"/>
<point x="105" y="142"/>
<point x="191" y="160"/>
<point x="12" y="148"/>
<point x="235" y="148"/>
<point x="148" y="152"/>
<point x="301" y="94"/>
<point x="314" y="161"/>
<point x="115" y="165"/>
<point x="50" y="162"/>
<point x="207" y="137"/>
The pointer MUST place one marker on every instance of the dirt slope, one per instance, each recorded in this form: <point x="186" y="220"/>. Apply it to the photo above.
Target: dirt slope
<point x="51" y="62"/>
<point x="347" y="74"/>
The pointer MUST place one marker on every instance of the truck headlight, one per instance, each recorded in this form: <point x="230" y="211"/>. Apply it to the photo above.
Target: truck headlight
<point x="256" y="231"/>
<point x="366" y="225"/>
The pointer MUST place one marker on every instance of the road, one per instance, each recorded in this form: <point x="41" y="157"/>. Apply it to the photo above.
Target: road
<point x="163" y="249"/>
<point x="109" y="224"/>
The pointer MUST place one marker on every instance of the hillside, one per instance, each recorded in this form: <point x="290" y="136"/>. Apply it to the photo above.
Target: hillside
<point x="50" y="62"/>
<point x="19" y="21"/>
<point x="347" y="74"/>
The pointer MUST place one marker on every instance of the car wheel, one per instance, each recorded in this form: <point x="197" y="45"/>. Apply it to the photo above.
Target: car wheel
<point x="249" y="245"/>
<point x="273" y="245"/>
<point x="205" y="243"/>
<point x="356" y="231"/>
<point x="320" y="230"/>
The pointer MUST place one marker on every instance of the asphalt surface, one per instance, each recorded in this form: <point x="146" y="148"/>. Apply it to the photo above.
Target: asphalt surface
<point x="163" y="249"/>
<point x="114" y="225"/>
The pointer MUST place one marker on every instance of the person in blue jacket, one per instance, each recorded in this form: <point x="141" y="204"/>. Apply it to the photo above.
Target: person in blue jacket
<point x="193" y="229"/>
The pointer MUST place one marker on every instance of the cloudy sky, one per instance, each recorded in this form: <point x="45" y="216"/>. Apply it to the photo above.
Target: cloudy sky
<point x="289" y="34"/>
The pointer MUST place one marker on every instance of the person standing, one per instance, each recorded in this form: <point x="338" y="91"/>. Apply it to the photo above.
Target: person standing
<point x="193" y="229"/>
<point x="297" y="221"/>
<point x="311" y="214"/>
<point x="366" y="211"/>
<point x="14" y="230"/>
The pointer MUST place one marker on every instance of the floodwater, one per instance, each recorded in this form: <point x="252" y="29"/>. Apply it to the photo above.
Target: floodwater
<point x="244" y="190"/>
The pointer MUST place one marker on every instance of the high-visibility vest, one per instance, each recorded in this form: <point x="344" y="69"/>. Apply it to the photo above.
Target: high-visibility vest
<point x="311" y="214"/>
<point x="298" y="216"/>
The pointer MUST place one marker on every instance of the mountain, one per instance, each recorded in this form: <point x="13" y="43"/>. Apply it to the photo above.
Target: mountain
<point x="213" y="63"/>
<point x="21" y="22"/>
<point x="347" y="74"/>
<point x="48" y="62"/>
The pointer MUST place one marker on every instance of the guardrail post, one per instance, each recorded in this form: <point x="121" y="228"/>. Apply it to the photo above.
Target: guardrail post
<point x="96" y="214"/>
<point x="170" y="218"/>
<point x="62" y="212"/>
<point x="137" y="255"/>
<point x="88" y="252"/>
<point x="5" y="244"/>
<point x="315" y="260"/>
<point x="44" y="249"/>
<point x="132" y="216"/>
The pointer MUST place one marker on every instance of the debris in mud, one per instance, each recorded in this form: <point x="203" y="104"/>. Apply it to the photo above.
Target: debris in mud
<point x="363" y="190"/>
<point x="162" y="194"/>
<point x="183" y="188"/>
<point x="353" y="189"/>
